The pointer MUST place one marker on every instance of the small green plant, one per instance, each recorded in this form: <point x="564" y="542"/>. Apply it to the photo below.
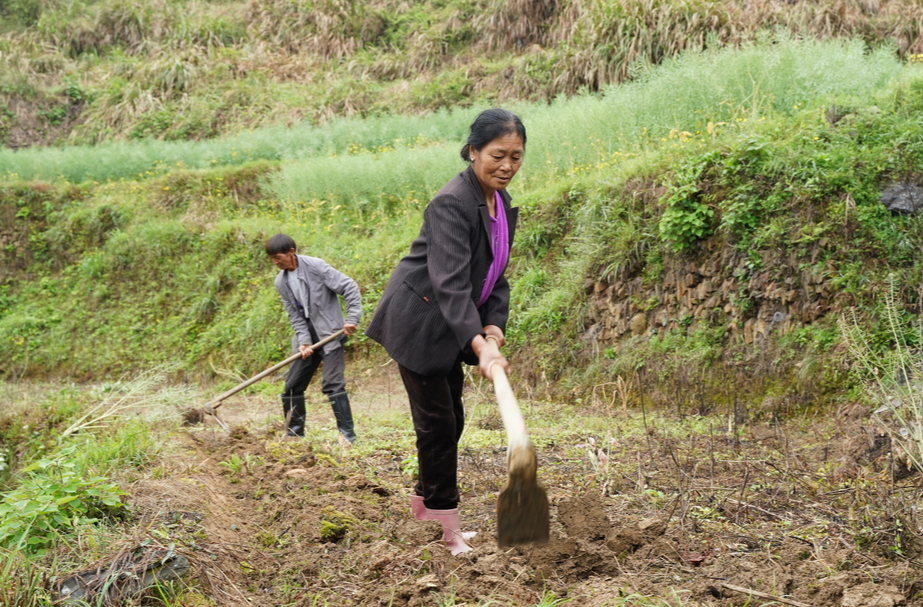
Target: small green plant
<point x="410" y="466"/>
<point x="706" y="513"/>
<point x="54" y="116"/>
<point x="233" y="465"/>
<point x="55" y="497"/>
<point x="687" y="219"/>
<point x="74" y="93"/>
<point x="656" y="496"/>
<point x="268" y="539"/>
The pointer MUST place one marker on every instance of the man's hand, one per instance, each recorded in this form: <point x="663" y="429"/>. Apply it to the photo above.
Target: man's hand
<point x="350" y="328"/>
<point x="306" y="351"/>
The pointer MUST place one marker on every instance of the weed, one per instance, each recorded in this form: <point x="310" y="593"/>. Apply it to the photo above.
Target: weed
<point x="410" y="467"/>
<point x="550" y="599"/>
<point x="234" y="465"/>
<point x="21" y="584"/>
<point x="686" y="218"/>
<point x="335" y="524"/>
<point x="54" y="498"/>
<point x="891" y="374"/>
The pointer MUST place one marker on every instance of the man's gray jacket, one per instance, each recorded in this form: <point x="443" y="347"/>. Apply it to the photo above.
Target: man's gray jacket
<point x="322" y="284"/>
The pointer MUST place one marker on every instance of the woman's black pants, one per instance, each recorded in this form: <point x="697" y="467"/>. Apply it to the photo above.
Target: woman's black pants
<point x="438" y="419"/>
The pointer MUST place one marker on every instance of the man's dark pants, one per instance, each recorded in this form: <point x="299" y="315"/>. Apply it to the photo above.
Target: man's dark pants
<point x="334" y="386"/>
<point x="302" y="371"/>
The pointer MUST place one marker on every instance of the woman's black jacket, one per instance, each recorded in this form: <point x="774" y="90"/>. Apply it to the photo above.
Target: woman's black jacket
<point x="428" y="314"/>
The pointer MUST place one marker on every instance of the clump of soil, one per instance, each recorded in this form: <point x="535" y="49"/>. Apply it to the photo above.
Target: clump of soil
<point x="193" y="416"/>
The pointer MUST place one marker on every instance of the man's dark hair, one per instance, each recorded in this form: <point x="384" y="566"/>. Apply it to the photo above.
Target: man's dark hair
<point x="489" y="125"/>
<point x="280" y="243"/>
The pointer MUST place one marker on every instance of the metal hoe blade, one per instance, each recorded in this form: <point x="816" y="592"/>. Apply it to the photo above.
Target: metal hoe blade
<point x="522" y="508"/>
<point x="220" y="421"/>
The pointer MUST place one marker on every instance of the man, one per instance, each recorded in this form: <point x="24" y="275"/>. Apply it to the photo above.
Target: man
<point x="309" y="288"/>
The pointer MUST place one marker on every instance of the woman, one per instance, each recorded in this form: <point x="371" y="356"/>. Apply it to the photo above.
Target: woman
<point x="445" y="298"/>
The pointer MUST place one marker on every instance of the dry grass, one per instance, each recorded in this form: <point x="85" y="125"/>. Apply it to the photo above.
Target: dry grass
<point x="211" y="67"/>
<point x="329" y="28"/>
<point x="606" y="39"/>
<point x="516" y="24"/>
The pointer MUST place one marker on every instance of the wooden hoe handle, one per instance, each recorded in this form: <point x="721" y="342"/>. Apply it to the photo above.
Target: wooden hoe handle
<point x="214" y="403"/>
<point x="512" y="418"/>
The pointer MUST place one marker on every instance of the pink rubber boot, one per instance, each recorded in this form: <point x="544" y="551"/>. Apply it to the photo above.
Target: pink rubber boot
<point x="451" y="533"/>
<point x="417" y="507"/>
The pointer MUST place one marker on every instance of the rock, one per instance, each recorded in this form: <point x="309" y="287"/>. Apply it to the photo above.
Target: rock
<point x="428" y="582"/>
<point x="638" y="324"/>
<point x="868" y="594"/>
<point x="653" y="527"/>
<point x="122" y="579"/>
<point x="750" y="330"/>
<point x="625" y="540"/>
<point x="905" y="198"/>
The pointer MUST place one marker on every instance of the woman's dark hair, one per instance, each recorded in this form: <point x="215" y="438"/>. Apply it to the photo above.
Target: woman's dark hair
<point x="280" y="243"/>
<point x="489" y="125"/>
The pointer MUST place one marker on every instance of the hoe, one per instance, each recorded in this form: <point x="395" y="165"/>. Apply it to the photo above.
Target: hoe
<point x="522" y="508"/>
<point x="214" y="403"/>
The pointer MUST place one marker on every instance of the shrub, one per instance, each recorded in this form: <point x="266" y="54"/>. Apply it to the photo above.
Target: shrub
<point x="54" y="498"/>
<point x="687" y="218"/>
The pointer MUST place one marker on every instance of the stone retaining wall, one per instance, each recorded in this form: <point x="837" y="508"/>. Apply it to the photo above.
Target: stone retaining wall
<point x="722" y="289"/>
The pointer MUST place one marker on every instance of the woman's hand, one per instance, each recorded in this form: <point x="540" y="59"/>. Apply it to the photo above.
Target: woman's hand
<point x="350" y="328"/>
<point x="495" y="332"/>
<point x="306" y="351"/>
<point x="488" y="353"/>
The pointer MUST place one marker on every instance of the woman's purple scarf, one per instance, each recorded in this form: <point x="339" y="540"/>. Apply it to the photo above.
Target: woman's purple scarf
<point x="500" y="242"/>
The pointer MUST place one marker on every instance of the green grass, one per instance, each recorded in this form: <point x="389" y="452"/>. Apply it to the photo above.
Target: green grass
<point x="76" y="449"/>
<point x="143" y="159"/>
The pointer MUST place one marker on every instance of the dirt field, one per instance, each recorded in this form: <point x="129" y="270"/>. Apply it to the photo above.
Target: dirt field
<point x="645" y="510"/>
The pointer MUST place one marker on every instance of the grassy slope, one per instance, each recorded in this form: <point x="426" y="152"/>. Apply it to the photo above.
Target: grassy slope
<point x="165" y="262"/>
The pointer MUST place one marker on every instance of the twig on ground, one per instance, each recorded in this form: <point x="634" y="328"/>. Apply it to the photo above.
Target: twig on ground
<point x="740" y="505"/>
<point x="763" y="595"/>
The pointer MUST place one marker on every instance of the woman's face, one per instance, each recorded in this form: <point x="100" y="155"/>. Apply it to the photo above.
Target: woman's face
<point x="497" y="162"/>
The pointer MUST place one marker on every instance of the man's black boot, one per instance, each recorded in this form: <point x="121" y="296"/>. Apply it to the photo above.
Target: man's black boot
<point x="293" y="407"/>
<point x="343" y="414"/>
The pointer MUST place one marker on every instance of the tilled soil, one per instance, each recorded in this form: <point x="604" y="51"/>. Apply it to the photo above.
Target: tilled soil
<point x="706" y="520"/>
